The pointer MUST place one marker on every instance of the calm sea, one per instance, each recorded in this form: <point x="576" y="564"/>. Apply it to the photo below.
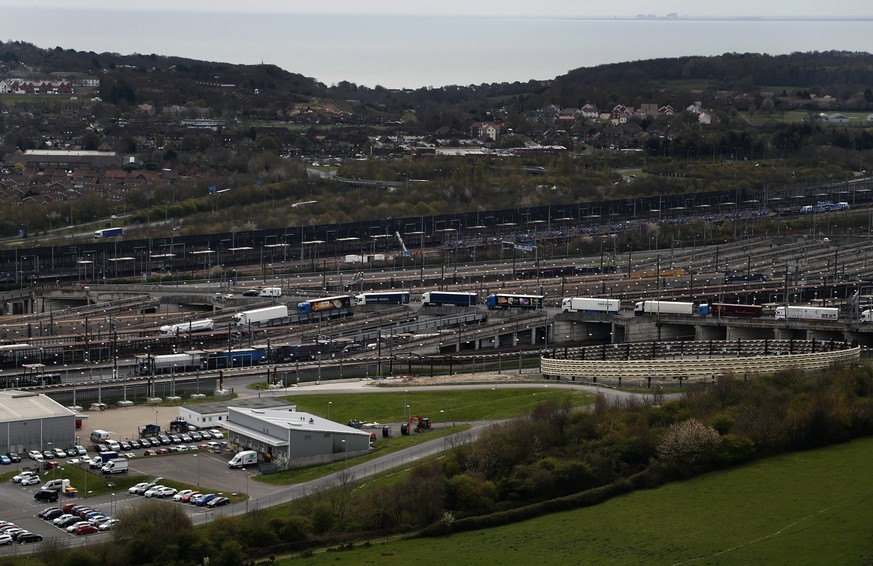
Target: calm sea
<point x="405" y="51"/>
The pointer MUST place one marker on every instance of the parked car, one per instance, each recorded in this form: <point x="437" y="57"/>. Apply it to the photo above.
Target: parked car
<point x="22" y="475"/>
<point x="30" y="480"/>
<point x="57" y="521"/>
<point x="5" y="539"/>
<point x="196" y="436"/>
<point x="108" y="525"/>
<point x="175" y="438"/>
<point x="4" y="460"/>
<point x="218" y="502"/>
<point x="99" y="520"/>
<point x="141" y="488"/>
<point x="72" y="452"/>
<point x="180" y="494"/>
<point x="14" y="457"/>
<point x="85" y="529"/>
<point x="134" y="444"/>
<point x="53" y="514"/>
<point x="59" y="453"/>
<point x="101" y="448"/>
<point x="189" y="497"/>
<point x="35" y="455"/>
<point x="48" y="454"/>
<point x="204" y="499"/>
<point x="81" y="450"/>
<point x="72" y="528"/>
<point x="125" y="445"/>
<point x="216" y="434"/>
<point x="42" y="513"/>
<point x="68" y="521"/>
<point x="29" y="537"/>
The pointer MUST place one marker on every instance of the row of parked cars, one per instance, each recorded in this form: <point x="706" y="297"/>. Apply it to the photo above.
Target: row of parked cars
<point x="10" y="532"/>
<point x="154" y="489"/>
<point x="161" y="440"/>
<point x="78" y="519"/>
<point x="39" y="456"/>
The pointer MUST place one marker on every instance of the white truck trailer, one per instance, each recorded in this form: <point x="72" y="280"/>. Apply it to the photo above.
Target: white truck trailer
<point x="260" y="316"/>
<point x="663" y="307"/>
<point x="807" y="313"/>
<point x="590" y="304"/>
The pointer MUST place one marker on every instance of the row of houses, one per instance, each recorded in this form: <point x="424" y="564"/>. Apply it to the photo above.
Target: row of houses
<point x="25" y="86"/>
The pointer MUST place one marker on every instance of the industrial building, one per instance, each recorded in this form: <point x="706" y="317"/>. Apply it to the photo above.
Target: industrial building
<point x="288" y="438"/>
<point x="33" y="421"/>
<point x="213" y="415"/>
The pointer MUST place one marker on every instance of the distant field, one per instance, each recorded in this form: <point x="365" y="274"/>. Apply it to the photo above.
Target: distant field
<point x="805" y="508"/>
<point x="440" y="406"/>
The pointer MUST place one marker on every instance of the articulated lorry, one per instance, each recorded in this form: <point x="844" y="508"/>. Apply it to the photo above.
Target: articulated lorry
<point x="663" y="307"/>
<point x="589" y="304"/>
<point x="262" y="316"/>
<point x="807" y="313"/>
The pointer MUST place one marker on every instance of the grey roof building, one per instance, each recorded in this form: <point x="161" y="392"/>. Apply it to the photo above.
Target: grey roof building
<point x="211" y="415"/>
<point x="290" y="438"/>
<point x="33" y="421"/>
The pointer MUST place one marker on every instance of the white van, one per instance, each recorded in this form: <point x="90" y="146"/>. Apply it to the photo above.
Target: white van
<point x="99" y="436"/>
<point x="270" y="292"/>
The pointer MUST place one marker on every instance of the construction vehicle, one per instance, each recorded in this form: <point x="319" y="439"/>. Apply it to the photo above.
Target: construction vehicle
<point x="415" y="424"/>
<point x="403" y="251"/>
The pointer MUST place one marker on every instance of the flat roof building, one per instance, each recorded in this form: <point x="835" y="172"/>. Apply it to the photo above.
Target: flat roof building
<point x="212" y="415"/>
<point x="290" y="439"/>
<point x="33" y="421"/>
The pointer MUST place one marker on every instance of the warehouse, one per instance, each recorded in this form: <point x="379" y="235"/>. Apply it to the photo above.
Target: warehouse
<point x="212" y="415"/>
<point x="33" y="421"/>
<point x="289" y="438"/>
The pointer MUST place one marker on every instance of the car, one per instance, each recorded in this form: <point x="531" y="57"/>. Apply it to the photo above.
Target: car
<point x="186" y="438"/>
<point x="141" y="488"/>
<point x="180" y="494"/>
<point x="227" y="296"/>
<point x="101" y="448"/>
<point x="165" y="439"/>
<point x="72" y="452"/>
<point x="108" y="525"/>
<point x="85" y="511"/>
<point x="22" y="475"/>
<point x="218" y="502"/>
<point x="99" y="520"/>
<point x="58" y="521"/>
<point x="202" y="500"/>
<point x="76" y="525"/>
<point x="4" y="460"/>
<point x="216" y="434"/>
<point x="162" y="451"/>
<point x="81" y="450"/>
<point x="5" y="539"/>
<point x="125" y="445"/>
<point x="30" y="480"/>
<point x="68" y="521"/>
<point x="153" y="491"/>
<point x="14" y="457"/>
<point x="53" y="514"/>
<point x="181" y="448"/>
<point x="195" y="436"/>
<point x="175" y="438"/>
<point x="46" y="495"/>
<point x="134" y="444"/>
<point x="35" y="455"/>
<point x="167" y="492"/>
<point x="28" y="537"/>
<point x="14" y="532"/>
<point x="251" y="293"/>
<point x="187" y="498"/>
<point x="42" y="513"/>
<point x="59" y="453"/>
<point x="155" y="441"/>
<point x="85" y="529"/>
<point x="49" y="454"/>
<point x="113" y="446"/>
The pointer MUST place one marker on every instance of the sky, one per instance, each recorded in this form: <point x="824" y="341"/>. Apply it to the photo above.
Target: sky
<point x="565" y="8"/>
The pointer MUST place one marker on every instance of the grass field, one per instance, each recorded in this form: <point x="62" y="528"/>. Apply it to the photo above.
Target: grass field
<point x="440" y="406"/>
<point x="811" y="508"/>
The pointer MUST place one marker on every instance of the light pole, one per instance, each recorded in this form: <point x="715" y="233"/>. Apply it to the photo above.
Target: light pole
<point x="112" y="507"/>
<point x="405" y="405"/>
<point x="329" y="403"/>
<point x="197" y="458"/>
<point x="156" y="417"/>
<point x="345" y="453"/>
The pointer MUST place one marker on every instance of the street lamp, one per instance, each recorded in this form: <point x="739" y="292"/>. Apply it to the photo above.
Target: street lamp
<point x="156" y="417"/>
<point x="345" y="453"/>
<point x="329" y="403"/>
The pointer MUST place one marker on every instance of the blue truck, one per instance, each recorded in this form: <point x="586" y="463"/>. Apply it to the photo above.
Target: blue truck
<point x="449" y="298"/>
<point x="387" y="298"/>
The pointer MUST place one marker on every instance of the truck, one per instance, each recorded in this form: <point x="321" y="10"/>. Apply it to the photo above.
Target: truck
<point x="260" y="317"/>
<point x="727" y="309"/>
<point x="663" y="307"/>
<point x="509" y="301"/>
<point x="100" y="460"/>
<point x="186" y="327"/>
<point x="243" y="459"/>
<point x="867" y="315"/>
<point x="108" y="232"/>
<point x="326" y="304"/>
<point x="234" y="358"/>
<point x="149" y="430"/>
<point x="449" y="298"/>
<point x="286" y="353"/>
<point x="270" y="292"/>
<point x="115" y="466"/>
<point x="590" y="304"/>
<point x="387" y="298"/>
<point x="792" y="312"/>
<point x="169" y="363"/>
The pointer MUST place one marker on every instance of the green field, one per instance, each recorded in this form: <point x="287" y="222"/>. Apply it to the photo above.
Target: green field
<point x="440" y="406"/>
<point x="811" y="508"/>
